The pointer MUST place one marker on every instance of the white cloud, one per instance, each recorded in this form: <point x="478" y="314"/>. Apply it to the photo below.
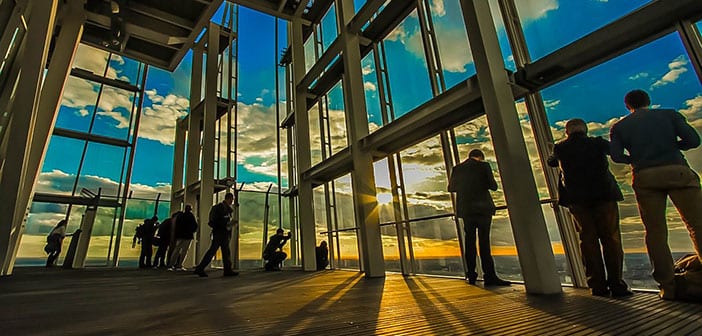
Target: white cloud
<point x="676" y="68"/>
<point x="259" y="99"/>
<point x="639" y="75"/>
<point x="551" y="104"/>
<point x="532" y="10"/>
<point x="369" y="86"/>
<point x="59" y="182"/>
<point x="367" y="69"/>
<point x="438" y="8"/>
<point x="158" y="121"/>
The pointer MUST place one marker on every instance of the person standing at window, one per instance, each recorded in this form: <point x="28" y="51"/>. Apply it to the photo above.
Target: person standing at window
<point x="472" y="181"/>
<point x="591" y="193"/>
<point x="54" y="240"/>
<point x="654" y="139"/>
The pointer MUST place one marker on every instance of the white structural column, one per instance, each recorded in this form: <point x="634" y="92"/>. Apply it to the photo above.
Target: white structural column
<point x="528" y="224"/>
<point x="178" y="164"/>
<point x="72" y="18"/>
<point x="24" y="110"/>
<point x="192" y="160"/>
<point x="362" y="176"/>
<point x="302" y="145"/>
<point x="209" y="119"/>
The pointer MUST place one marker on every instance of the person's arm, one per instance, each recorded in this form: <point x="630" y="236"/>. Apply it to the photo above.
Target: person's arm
<point x="688" y="135"/>
<point x="492" y="184"/>
<point x="452" y="187"/>
<point x="552" y="160"/>
<point x="616" y="147"/>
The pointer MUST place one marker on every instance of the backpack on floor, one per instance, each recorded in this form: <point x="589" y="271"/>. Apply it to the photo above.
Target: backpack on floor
<point x="688" y="278"/>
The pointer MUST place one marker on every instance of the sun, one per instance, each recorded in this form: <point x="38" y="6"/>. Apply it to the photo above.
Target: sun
<point x="384" y="198"/>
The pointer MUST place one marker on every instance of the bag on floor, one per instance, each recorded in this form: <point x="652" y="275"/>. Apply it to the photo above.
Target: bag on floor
<point x="688" y="278"/>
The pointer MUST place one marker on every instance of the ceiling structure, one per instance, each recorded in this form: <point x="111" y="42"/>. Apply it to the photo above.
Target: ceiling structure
<point x="155" y="32"/>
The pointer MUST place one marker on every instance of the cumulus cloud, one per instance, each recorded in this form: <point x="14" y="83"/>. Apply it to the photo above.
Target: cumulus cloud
<point x="369" y="86"/>
<point x="158" y="121"/>
<point x="59" y="182"/>
<point x="639" y="76"/>
<point x="676" y="68"/>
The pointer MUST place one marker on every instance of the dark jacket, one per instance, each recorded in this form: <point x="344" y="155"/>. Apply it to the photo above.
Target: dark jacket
<point x="651" y="138"/>
<point x="274" y="243"/>
<point x="185" y="226"/>
<point x="164" y="232"/>
<point x="586" y="177"/>
<point x="220" y="218"/>
<point x="472" y="181"/>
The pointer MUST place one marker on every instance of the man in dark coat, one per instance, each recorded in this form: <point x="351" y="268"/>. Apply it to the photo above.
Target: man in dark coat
<point x="163" y="242"/>
<point x="220" y="220"/>
<point x="590" y="192"/>
<point x="146" y="233"/>
<point x="273" y="253"/>
<point x="472" y="181"/>
<point x="184" y="233"/>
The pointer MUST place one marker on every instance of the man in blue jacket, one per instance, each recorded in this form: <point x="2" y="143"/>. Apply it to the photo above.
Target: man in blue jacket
<point x="654" y="139"/>
<point x="472" y="181"/>
<point x="221" y="222"/>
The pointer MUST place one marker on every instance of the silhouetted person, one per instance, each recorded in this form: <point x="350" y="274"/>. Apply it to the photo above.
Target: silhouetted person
<point x="163" y="242"/>
<point x="54" y="240"/>
<point x="654" y="139"/>
<point x="322" y="254"/>
<point x="185" y="228"/>
<point x="220" y="220"/>
<point x="146" y="233"/>
<point x="472" y="181"/>
<point x="273" y="253"/>
<point x="591" y="194"/>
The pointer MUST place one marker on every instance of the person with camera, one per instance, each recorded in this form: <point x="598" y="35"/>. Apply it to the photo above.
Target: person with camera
<point x="273" y="253"/>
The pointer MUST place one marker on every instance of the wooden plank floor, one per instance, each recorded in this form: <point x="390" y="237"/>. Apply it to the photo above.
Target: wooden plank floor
<point x="37" y="301"/>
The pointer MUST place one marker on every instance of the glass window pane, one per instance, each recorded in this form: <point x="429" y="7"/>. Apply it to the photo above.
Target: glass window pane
<point x="91" y="59"/>
<point x="310" y="53"/>
<point x="124" y="69"/>
<point x="315" y="134"/>
<point x="348" y="251"/>
<point x="251" y="235"/>
<point x="102" y="168"/>
<point x="320" y="210"/>
<point x="425" y="179"/>
<point x="436" y="248"/>
<point x="77" y="104"/>
<point x="551" y="24"/>
<point x="344" y="202"/>
<point x="328" y="28"/>
<point x="99" y="248"/>
<point x="370" y="86"/>
<point x="504" y="250"/>
<point x="407" y="67"/>
<point x="391" y="249"/>
<point x="60" y="166"/>
<point x="663" y="69"/>
<point x="114" y="113"/>
<point x="337" y="119"/>
<point x="383" y="189"/>
<point x="452" y="40"/>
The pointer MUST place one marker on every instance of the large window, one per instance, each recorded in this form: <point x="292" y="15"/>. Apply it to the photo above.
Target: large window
<point x="552" y="24"/>
<point x="663" y="69"/>
<point x="407" y="66"/>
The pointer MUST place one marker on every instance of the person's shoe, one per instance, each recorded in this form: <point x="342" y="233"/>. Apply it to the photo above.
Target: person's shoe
<point x="621" y="292"/>
<point x="667" y="293"/>
<point x="604" y="292"/>
<point x="181" y="269"/>
<point x="471" y="281"/>
<point x="496" y="282"/>
<point x="230" y="273"/>
<point x="200" y="273"/>
<point x="171" y="269"/>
